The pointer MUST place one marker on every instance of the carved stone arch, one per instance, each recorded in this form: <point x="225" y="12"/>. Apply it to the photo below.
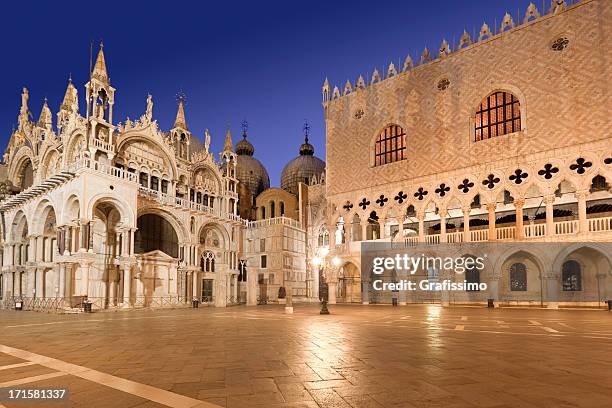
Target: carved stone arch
<point x="50" y="164"/>
<point x="71" y="208"/>
<point x="379" y="129"/>
<point x="19" y="227"/>
<point x="138" y="137"/>
<point x="603" y="250"/>
<point x="203" y="167"/>
<point x="224" y="239"/>
<point x="484" y="92"/>
<point x="540" y="260"/>
<point x="18" y="163"/>
<point x="181" y="230"/>
<point x="535" y="185"/>
<point x="72" y="146"/>
<point x="454" y="202"/>
<point x="128" y="218"/>
<point x="41" y="213"/>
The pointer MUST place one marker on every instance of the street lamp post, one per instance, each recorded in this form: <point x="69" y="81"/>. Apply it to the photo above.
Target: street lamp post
<point x="322" y="263"/>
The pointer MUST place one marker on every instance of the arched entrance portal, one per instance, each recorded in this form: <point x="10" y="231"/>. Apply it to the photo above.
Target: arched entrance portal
<point x="157" y="247"/>
<point x="155" y="233"/>
<point x="349" y="284"/>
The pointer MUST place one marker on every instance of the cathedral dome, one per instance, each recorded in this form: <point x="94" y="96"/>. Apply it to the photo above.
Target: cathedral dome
<point x="302" y="168"/>
<point x="249" y="170"/>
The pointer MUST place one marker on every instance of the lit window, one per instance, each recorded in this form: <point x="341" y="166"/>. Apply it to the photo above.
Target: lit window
<point x="497" y="115"/>
<point x="390" y="146"/>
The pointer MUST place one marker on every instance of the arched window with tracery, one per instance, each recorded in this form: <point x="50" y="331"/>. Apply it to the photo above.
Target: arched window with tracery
<point x="498" y="114"/>
<point x="390" y="145"/>
<point x="207" y="262"/>
<point x="323" y="237"/>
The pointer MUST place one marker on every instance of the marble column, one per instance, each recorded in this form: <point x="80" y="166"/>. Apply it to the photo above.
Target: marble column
<point x="85" y="267"/>
<point x="194" y="285"/>
<point x="127" y="286"/>
<point x="492" y="231"/>
<point x="61" y="280"/>
<point x="518" y="205"/>
<point x="443" y="214"/>
<point x="466" y="223"/>
<point x="583" y="223"/>
<point x="549" y="200"/>
<point x="332" y="292"/>
<point x="421" y="218"/>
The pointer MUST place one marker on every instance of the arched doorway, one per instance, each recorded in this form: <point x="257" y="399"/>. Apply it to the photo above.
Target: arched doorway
<point x="157" y="247"/>
<point x="349" y="284"/>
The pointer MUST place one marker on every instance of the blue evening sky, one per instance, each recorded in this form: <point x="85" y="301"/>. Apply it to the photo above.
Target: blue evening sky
<point x="262" y="61"/>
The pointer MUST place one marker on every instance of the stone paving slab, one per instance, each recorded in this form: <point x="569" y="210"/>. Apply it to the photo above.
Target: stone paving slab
<point x="359" y="356"/>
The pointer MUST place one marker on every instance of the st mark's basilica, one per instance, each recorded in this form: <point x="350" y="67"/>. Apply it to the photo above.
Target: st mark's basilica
<point x="502" y="136"/>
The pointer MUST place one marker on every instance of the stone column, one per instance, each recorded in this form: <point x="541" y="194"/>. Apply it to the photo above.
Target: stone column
<point x="194" y="285"/>
<point x="75" y="241"/>
<point x="127" y="286"/>
<point x="61" y="280"/>
<point x="443" y="214"/>
<point x="364" y="231"/>
<point x="132" y="231"/>
<point x="400" y="229"/>
<point x="332" y="292"/>
<point x="518" y="205"/>
<point x="421" y="218"/>
<point x="492" y="232"/>
<point x="40" y="283"/>
<point x="583" y="223"/>
<point x="549" y="200"/>
<point x="31" y="257"/>
<point x="466" y="223"/>
<point x="90" y="245"/>
<point x="85" y="267"/>
<point x="66" y="240"/>
<point x="40" y="250"/>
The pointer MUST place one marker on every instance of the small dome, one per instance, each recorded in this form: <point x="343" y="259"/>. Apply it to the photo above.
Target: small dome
<point x="249" y="170"/>
<point x="251" y="173"/>
<point x="302" y="168"/>
<point x="244" y="147"/>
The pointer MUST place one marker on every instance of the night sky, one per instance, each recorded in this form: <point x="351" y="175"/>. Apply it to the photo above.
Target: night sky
<point x="260" y="61"/>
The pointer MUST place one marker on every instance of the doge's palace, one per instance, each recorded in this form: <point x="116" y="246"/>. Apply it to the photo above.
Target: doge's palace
<point x="501" y="137"/>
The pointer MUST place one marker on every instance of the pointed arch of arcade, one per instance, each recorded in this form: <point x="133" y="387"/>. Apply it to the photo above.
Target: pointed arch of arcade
<point x="601" y="250"/>
<point x="516" y="252"/>
<point x="137" y="137"/>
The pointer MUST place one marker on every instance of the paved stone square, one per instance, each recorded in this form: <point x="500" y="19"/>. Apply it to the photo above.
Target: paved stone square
<point x="359" y="356"/>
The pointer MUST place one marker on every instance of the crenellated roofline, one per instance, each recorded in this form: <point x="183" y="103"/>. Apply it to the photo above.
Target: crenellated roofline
<point x="466" y="43"/>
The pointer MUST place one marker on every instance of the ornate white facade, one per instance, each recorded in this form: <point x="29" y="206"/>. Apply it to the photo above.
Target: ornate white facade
<point x="124" y="214"/>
